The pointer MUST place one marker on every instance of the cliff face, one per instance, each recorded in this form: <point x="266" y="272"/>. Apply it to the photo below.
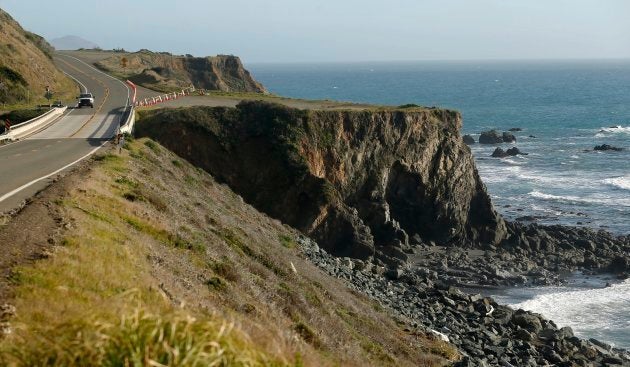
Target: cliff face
<point x="163" y="71"/>
<point x="360" y="182"/>
<point x="26" y="65"/>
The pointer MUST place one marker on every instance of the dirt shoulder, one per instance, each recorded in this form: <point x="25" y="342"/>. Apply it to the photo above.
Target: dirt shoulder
<point x="28" y="233"/>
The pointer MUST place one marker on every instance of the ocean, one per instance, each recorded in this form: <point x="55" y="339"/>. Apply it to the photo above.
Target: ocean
<point x="563" y="108"/>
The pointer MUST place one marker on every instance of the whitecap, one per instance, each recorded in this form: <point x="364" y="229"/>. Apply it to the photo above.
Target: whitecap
<point x="514" y="162"/>
<point x="618" y="129"/>
<point x="622" y="182"/>
<point x="542" y="195"/>
<point x="580" y="200"/>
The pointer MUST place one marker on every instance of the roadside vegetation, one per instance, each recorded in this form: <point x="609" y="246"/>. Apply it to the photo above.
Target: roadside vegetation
<point x="161" y="265"/>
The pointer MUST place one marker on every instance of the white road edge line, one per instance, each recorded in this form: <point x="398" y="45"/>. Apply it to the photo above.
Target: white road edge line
<point x="11" y="193"/>
<point x="76" y="80"/>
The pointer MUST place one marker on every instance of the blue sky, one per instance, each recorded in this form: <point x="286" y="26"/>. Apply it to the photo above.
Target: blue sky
<point x="342" y="30"/>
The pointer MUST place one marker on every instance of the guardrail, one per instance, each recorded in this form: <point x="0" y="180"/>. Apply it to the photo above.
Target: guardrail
<point x="128" y="122"/>
<point x="150" y="101"/>
<point x="23" y="129"/>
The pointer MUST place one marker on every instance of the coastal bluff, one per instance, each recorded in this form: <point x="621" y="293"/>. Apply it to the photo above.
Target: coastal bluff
<point x="163" y="71"/>
<point x="364" y="184"/>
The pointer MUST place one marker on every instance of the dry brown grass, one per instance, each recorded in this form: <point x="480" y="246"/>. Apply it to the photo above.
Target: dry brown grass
<point x="19" y="53"/>
<point x="156" y="244"/>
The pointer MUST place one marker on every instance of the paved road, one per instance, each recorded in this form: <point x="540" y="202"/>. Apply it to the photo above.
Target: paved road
<point x="74" y="135"/>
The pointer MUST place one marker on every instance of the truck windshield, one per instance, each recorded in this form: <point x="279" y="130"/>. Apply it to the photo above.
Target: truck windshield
<point x="85" y="95"/>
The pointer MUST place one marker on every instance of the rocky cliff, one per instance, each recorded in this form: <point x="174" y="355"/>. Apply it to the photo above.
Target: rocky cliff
<point x="165" y="72"/>
<point x="26" y="65"/>
<point x="362" y="183"/>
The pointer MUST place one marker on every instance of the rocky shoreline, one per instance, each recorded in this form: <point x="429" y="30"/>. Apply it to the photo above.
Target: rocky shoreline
<point x="485" y="333"/>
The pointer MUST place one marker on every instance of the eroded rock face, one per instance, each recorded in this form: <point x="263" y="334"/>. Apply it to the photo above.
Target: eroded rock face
<point x="163" y="71"/>
<point x="360" y="182"/>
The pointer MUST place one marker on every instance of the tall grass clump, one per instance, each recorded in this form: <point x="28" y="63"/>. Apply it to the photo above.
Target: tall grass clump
<point x="139" y="338"/>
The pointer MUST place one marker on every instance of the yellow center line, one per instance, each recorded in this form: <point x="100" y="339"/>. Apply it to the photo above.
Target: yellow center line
<point x="98" y="109"/>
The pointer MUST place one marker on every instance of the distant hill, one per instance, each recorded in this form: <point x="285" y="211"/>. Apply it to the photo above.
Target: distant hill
<point x="26" y="66"/>
<point x="72" y="43"/>
<point x="165" y="72"/>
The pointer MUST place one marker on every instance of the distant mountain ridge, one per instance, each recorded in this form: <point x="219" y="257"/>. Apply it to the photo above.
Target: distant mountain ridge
<point x="71" y="42"/>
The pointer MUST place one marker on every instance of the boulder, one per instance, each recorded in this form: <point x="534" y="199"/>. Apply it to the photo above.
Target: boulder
<point x="500" y="153"/>
<point x="490" y="137"/>
<point x="619" y="265"/>
<point x="508" y="137"/>
<point x="524" y="335"/>
<point x="516" y="129"/>
<point x="527" y="321"/>
<point x="469" y="139"/>
<point x="515" y="151"/>
<point x="394" y="273"/>
<point x="605" y="147"/>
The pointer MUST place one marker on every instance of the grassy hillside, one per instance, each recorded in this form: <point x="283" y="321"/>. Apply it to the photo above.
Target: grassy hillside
<point x="26" y="67"/>
<point x="157" y="264"/>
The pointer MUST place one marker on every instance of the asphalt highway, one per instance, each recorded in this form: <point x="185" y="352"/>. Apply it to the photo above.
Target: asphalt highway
<point x="27" y="166"/>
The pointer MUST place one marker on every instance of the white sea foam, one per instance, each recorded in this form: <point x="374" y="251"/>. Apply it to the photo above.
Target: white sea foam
<point x="590" y="312"/>
<point x="607" y="131"/>
<point x="515" y="162"/>
<point x="622" y="182"/>
<point x="617" y="129"/>
<point x="542" y="195"/>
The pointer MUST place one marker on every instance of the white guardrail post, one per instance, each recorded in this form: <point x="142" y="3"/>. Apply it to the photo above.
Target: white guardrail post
<point x="23" y="129"/>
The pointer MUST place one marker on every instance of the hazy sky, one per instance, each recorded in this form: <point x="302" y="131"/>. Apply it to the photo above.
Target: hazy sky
<point x="342" y="30"/>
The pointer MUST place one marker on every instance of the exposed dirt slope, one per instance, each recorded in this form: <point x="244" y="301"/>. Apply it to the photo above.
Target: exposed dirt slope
<point x="146" y="242"/>
<point x="166" y="72"/>
<point x="26" y="65"/>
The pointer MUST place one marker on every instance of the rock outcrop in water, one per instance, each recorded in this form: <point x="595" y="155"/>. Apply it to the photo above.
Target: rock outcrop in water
<point x="605" y="147"/>
<point x="360" y="182"/>
<point x="500" y="153"/>
<point x="493" y="137"/>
